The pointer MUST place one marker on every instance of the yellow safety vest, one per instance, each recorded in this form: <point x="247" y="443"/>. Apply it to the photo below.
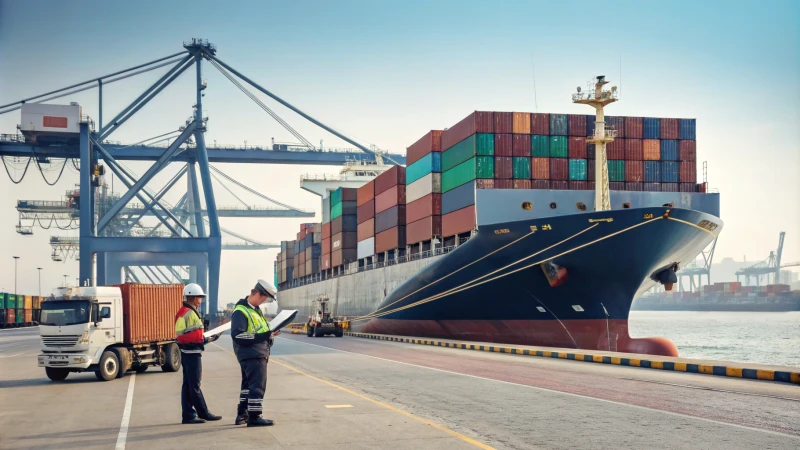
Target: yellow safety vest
<point x="256" y="323"/>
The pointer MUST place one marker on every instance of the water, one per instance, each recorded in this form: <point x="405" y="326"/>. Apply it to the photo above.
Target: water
<point x="757" y="337"/>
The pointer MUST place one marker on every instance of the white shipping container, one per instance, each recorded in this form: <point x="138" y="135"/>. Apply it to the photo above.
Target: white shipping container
<point x="429" y="184"/>
<point x="366" y="248"/>
<point x="41" y="117"/>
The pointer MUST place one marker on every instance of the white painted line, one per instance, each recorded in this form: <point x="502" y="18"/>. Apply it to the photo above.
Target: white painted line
<point x="671" y="413"/>
<point x="10" y="356"/>
<point x="20" y="329"/>
<point x="338" y="406"/>
<point x="126" y="416"/>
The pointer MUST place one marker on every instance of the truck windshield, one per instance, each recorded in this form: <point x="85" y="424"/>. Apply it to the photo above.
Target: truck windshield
<point x="62" y="313"/>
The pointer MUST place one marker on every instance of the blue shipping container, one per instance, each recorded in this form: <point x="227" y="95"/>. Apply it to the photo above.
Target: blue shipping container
<point x="316" y="250"/>
<point x="669" y="150"/>
<point x="688" y="129"/>
<point x="559" y="125"/>
<point x="652" y="171"/>
<point x="432" y="162"/>
<point x="590" y="125"/>
<point x="652" y="128"/>
<point x="458" y="198"/>
<point x="669" y="171"/>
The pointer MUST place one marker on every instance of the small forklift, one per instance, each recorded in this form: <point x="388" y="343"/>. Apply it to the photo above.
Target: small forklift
<point x="322" y="322"/>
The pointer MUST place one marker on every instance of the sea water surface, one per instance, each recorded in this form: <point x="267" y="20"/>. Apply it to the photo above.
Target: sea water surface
<point x="757" y="337"/>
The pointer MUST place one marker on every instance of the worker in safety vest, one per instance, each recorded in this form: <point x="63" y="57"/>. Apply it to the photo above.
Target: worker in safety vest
<point x="189" y="329"/>
<point x="252" y="340"/>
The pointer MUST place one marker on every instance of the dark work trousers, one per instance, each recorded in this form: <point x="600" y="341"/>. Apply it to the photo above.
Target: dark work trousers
<point x="254" y="383"/>
<point x="192" y="400"/>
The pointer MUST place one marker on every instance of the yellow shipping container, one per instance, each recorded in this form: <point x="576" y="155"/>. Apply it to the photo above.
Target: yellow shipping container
<point x="28" y="302"/>
<point x="521" y="123"/>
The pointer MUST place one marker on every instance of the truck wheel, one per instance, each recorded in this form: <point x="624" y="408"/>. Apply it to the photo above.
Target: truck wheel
<point x="339" y="333"/>
<point x="108" y="368"/>
<point x="56" y="374"/>
<point x="309" y="331"/>
<point x="172" y="361"/>
<point x="124" y="361"/>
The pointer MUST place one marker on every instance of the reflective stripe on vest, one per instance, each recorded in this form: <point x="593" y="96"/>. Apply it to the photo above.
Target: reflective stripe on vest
<point x="256" y="323"/>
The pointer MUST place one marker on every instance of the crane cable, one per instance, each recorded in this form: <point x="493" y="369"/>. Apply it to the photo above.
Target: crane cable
<point x="64" y="166"/>
<point x="229" y="191"/>
<point x="253" y="191"/>
<point x="9" y="173"/>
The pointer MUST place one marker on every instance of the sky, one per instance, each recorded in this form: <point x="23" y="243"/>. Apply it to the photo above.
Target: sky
<point x="387" y="72"/>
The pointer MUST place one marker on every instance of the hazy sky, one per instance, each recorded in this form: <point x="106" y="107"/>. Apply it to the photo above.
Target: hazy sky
<point x="387" y="72"/>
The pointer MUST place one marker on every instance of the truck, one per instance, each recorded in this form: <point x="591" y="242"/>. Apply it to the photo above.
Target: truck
<point x="322" y="322"/>
<point x="109" y="330"/>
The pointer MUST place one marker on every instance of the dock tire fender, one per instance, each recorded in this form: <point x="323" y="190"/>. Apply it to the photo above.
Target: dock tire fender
<point x="172" y="360"/>
<point x="109" y="366"/>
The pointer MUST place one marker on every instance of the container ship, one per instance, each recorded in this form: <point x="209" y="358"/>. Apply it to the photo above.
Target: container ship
<point x="510" y="227"/>
<point x="730" y="296"/>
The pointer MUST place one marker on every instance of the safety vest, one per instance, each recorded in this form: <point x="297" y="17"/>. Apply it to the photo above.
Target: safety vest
<point x="188" y="326"/>
<point x="256" y="323"/>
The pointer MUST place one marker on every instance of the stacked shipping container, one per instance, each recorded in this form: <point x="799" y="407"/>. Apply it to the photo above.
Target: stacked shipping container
<point x="344" y="226"/>
<point x="19" y="310"/>
<point x="390" y="208"/>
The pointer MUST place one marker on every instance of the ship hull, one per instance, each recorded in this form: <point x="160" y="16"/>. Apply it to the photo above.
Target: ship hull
<point x="493" y="288"/>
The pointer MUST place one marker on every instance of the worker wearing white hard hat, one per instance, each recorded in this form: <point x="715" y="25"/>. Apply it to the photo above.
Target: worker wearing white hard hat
<point x="189" y="330"/>
<point x="252" y="340"/>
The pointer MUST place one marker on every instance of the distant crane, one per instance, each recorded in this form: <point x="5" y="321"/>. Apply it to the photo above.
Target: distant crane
<point x="693" y="270"/>
<point x="771" y="265"/>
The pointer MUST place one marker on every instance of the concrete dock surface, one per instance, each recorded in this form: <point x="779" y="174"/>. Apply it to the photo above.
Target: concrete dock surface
<point x="359" y="393"/>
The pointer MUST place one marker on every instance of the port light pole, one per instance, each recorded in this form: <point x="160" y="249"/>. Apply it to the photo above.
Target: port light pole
<point x="16" y="258"/>
<point x="40" y="280"/>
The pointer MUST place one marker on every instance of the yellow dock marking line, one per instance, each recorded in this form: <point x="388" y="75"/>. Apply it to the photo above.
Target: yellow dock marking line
<point x="385" y="405"/>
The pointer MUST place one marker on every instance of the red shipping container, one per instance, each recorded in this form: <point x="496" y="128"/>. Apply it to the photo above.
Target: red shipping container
<point x="634" y="150"/>
<point x="365" y="230"/>
<point x="687" y="150"/>
<point x="577" y="124"/>
<point x="559" y="169"/>
<point x="367" y="192"/>
<point x="476" y="122"/>
<point x="484" y="183"/>
<point x="579" y="185"/>
<point x="669" y="187"/>
<point x="390" y="239"/>
<point x="424" y="229"/>
<point x="396" y="195"/>
<point x="11" y="316"/>
<point x="458" y="222"/>
<point x="522" y="145"/>
<point x="634" y="127"/>
<point x="503" y="184"/>
<point x="688" y="187"/>
<point x="28" y="318"/>
<point x="688" y="172"/>
<point x="540" y="184"/>
<point x="366" y="211"/>
<point x="651" y="150"/>
<point x="344" y="256"/>
<point x="616" y="185"/>
<point x="431" y="142"/>
<point x="636" y="186"/>
<point x="577" y="147"/>
<point x="326" y="246"/>
<point x="634" y="171"/>
<point x="540" y="123"/>
<point x="325" y="262"/>
<point x="345" y="240"/>
<point x="615" y="149"/>
<point x="430" y="205"/>
<point x="559" y="185"/>
<point x="504" y="167"/>
<point x="522" y="184"/>
<point x="326" y="230"/>
<point x="503" y="122"/>
<point x="702" y="187"/>
<point x="392" y="177"/>
<point x="148" y="311"/>
<point x="503" y="145"/>
<point x="540" y="168"/>
<point x="652" y="187"/>
<point x="522" y="123"/>
<point x="669" y="129"/>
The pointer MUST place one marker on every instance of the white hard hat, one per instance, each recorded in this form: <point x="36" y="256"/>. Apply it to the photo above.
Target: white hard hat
<point x="266" y="288"/>
<point x="193" y="290"/>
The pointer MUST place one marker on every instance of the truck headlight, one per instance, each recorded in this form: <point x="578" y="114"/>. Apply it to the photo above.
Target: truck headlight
<point x="79" y="359"/>
<point x="85" y="338"/>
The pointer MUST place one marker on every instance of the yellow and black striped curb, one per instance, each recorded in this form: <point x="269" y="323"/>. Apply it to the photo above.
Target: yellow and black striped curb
<point x="707" y="369"/>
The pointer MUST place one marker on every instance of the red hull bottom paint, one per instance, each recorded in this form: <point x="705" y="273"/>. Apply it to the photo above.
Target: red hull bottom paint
<point x="583" y="334"/>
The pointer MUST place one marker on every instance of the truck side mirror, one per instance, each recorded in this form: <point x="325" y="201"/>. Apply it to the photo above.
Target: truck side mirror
<point x="95" y="316"/>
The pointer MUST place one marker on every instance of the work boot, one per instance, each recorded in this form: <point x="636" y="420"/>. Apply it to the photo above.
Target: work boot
<point x="259" y="422"/>
<point x="211" y="417"/>
<point x="194" y="420"/>
<point x="241" y="419"/>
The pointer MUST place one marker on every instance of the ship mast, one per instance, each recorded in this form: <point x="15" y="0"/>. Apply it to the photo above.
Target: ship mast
<point x="599" y="98"/>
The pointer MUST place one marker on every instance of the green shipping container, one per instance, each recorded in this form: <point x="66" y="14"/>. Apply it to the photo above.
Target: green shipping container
<point x="521" y="168"/>
<point x="481" y="144"/>
<point x="20" y="315"/>
<point x="616" y="170"/>
<point x="577" y="169"/>
<point x="336" y="210"/>
<point x="559" y="147"/>
<point x="477" y="167"/>
<point x="11" y="301"/>
<point x="540" y="146"/>
<point x="336" y="198"/>
<point x="2" y="300"/>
